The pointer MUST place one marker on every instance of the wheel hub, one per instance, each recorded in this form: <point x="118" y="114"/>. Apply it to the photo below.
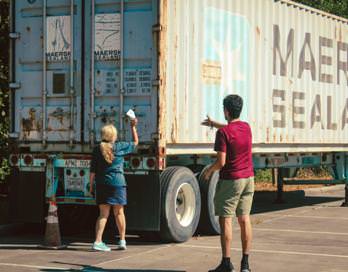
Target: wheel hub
<point x="185" y="204"/>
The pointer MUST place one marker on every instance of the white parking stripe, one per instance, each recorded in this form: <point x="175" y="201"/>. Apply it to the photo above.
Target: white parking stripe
<point x="302" y="231"/>
<point x="33" y="266"/>
<point x="131" y="256"/>
<point x="282" y="216"/>
<point x="272" y="251"/>
<point x="319" y="217"/>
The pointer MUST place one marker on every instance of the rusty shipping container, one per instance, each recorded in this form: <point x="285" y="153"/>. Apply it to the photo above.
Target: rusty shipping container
<point x="287" y="61"/>
<point x="77" y="65"/>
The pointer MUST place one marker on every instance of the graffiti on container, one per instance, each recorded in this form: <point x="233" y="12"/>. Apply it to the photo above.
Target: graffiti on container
<point x="318" y="61"/>
<point x="30" y="123"/>
<point x="59" y="114"/>
<point x="58" y="38"/>
<point x="225" y="62"/>
<point x="107" y="36"/>
<point x="107" y="116"/>
<point x="58" y="121"/>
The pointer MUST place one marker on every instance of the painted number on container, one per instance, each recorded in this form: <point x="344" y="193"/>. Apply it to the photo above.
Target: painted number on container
<point x="77" y="163"/>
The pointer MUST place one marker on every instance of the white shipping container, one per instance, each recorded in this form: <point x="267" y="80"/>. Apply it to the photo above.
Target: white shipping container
<point x="289" y="63"/>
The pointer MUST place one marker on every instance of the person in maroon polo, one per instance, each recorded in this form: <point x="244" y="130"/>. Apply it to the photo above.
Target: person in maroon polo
<point x="235" y="189"/>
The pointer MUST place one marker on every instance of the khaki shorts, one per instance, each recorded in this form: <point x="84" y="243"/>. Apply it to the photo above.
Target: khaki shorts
<point x="234" y="197"/>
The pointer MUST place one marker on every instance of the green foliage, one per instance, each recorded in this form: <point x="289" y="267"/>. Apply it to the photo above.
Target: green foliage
<point x="337" y="7"/>
<point x="263" y="175"/>
<point x="4" y="91"/>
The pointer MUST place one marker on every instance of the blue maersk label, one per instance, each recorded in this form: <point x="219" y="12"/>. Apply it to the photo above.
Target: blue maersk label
<point x="225" y="60"/>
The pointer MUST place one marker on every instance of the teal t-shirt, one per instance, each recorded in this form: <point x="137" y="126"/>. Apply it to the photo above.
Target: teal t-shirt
<point x="111" y="174"/>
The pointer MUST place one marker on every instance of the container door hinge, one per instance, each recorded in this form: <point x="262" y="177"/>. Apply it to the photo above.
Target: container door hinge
<point x="157" y="28"/>
<point x="15" y="85"/>
<point x="155" y="136"/>
<point x="156" y="82"/>
<point x="14" y="35"/>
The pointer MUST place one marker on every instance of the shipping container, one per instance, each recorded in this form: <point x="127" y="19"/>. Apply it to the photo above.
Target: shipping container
<point x="78" y="65"/>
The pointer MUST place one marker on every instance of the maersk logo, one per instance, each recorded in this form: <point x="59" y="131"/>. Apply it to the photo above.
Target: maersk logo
<point x="225" y="59"/>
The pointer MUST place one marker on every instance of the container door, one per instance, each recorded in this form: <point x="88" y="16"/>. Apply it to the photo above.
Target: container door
<point x="48" y="70"/>
<point x="121" y="66"/>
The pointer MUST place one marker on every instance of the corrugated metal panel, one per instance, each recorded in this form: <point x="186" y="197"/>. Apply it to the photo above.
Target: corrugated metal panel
<point x="208" y="49"/>
<point x="215" y="48"/>
<point x="110" y="32"/>
<point x="46" y="108"/>
<point x="128" y="35"/>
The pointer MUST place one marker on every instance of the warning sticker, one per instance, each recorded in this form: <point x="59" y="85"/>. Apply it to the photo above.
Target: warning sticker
<point x="58" y="38"/>
<point x="107" y="36"/>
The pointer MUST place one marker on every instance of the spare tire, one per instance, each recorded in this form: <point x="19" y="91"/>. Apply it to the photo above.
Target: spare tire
<point x="209" y="223"/>
<point x="180" y="204"/>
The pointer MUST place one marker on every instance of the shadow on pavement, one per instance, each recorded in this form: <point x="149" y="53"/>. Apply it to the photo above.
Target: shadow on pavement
<point x="97" y="269"/>
<point x="91" y="268"/>
<point x="28" y="236"/>
<point x="264" y="201"/>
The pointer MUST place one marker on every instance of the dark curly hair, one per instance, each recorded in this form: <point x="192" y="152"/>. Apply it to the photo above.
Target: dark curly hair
<point x="233" y="104"/>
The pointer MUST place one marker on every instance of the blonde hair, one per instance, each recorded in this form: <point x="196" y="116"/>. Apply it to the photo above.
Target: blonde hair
<point x="109" y="136"/>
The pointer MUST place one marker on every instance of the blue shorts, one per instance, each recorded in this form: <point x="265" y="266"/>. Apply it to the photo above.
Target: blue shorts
<point x="112" y="195"/>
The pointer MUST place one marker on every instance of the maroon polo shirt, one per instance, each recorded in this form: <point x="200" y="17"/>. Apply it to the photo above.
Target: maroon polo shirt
<point x="235" y="140"/>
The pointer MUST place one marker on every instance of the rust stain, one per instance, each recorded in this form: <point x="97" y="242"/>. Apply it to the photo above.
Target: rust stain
<point x="174" y="132"/>
<point x="211" y="72"/>
<point x="258" y="32"/>
<point x="267" y="134"/>
<point x="174" y="107"/>
<point x="59" y="114"/>
<point x="29" y="124"/>
<point x="162" y="63"/>
<point x="57" y="129"/>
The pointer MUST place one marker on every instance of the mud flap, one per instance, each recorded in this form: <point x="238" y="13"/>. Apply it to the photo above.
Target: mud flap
<point x="27" y="201"/>
<point x="143" y="209"/>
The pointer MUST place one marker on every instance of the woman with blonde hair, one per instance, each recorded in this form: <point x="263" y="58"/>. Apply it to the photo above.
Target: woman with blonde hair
<point x="107" y="172"/>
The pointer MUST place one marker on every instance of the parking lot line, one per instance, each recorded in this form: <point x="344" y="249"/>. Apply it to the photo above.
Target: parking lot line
<point x="302" y="231"/>
<point x="282" y="215"/>
<point x="271" y="251"/>
<point x="32" y="266"/>
<point x="319" y="217"/>
<point x="131" y="256"/>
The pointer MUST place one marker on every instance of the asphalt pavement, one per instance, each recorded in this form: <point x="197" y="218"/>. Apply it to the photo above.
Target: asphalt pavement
<point x="307" y="233"/>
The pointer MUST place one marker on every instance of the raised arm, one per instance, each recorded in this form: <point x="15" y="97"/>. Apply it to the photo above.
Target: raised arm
<point x="134" y="123"/>
<point x="211" y="123"/>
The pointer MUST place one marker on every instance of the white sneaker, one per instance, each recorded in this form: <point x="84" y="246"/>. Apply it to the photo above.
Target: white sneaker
<point x="100" y="247"/>
<point x="122" y="245"/>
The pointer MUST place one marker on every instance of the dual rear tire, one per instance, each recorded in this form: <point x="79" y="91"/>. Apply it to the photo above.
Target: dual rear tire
<point x="187" y="203"/>
<point x="180" y="204"/>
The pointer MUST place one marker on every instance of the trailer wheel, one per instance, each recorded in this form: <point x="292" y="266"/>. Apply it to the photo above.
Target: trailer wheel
<point x="209" y="223"/>
<point x="180" y="204"/>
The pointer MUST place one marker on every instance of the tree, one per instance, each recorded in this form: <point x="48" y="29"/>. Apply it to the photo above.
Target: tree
<point x="337" y="7"/>
<point x="4" y="91"/>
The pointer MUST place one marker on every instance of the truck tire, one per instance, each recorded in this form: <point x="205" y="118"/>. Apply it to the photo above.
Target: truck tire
<point x="209" y="223"/>
<point x="180" y="204"/>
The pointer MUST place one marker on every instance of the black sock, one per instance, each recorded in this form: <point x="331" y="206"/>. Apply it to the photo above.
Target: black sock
<point x="245" y="261"/>
<point x="226" y="261"/>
